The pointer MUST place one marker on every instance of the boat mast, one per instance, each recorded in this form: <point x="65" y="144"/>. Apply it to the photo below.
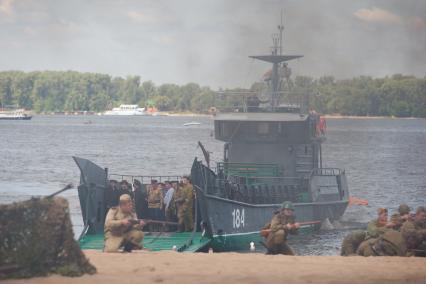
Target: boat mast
<point x="281" y="28"/>
<point x="276" y="58"/>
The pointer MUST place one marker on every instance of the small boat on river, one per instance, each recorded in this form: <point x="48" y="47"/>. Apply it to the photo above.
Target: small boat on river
<point x="126" y="110"/>
<point x="14" y="114"/>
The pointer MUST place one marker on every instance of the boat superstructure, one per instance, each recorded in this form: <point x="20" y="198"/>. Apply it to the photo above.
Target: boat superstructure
<point x="272" y="153"/>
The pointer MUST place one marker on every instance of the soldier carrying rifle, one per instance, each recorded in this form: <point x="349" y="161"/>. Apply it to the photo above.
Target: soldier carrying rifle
<point x="276" y="232"/>
<point x="119" y="229"/>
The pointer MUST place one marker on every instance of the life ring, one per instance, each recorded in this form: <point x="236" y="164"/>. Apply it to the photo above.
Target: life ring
<point x="321" y="126"/>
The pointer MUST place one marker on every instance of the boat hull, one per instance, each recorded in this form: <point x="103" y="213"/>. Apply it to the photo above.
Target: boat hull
<point x="15" y="118"/>
<point x="233" y="225"/>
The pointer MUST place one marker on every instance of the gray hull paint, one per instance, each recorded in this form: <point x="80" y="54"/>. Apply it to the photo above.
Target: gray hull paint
<point x="220" y="214"/>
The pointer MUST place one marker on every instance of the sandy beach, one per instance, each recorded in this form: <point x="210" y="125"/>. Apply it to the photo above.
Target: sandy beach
<point x="173" y="267"/>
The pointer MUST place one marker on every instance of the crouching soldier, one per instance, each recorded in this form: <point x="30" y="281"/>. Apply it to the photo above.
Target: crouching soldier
<point x="120" y="228"/>
<point x="390" y="243"/>
<point x="351" y="242"/>
<point x="414" y="232"/>
<point x="282" y="224"/>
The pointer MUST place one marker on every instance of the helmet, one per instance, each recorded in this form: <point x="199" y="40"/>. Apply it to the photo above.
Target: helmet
<point x="403" y="209"/>
<point x="287" y="205"/>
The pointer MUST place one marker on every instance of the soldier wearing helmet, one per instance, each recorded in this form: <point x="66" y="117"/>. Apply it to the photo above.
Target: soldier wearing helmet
<point x="402" y="216"/>
<point x="282" y="224"/>
<point x="119" y="229"/>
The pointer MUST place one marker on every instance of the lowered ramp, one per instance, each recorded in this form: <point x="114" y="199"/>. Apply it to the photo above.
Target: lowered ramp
<point x="155" y="241"/>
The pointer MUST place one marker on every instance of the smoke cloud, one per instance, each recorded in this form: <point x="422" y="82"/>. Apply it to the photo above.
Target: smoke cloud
<point x="209" y="42"/>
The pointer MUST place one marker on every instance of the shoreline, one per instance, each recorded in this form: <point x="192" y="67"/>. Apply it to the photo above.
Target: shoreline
<point x="173" y="267"/>
<point x="338" y="116"/>
<point x="192" y="114"/>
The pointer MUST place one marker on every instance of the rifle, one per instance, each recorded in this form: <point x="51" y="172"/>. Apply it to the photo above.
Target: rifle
<point x="265" y="232"/>
<point x="68" y="186"/>
<point x="150" y="221"/>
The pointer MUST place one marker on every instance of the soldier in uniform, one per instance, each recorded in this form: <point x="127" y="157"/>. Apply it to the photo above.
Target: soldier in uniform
<point x="375" y="229"/>
<point x="184" y="199"/>
<point x="155" y="201"/>
<point x="380" y="225"/>
<point x="351" y="242"/>
<point x="119" y="230"/>
<point x="399" y="218"/>
<point x="414" y="232"/>
<point x="390" y="243"/>
<point x="282" y="224"/>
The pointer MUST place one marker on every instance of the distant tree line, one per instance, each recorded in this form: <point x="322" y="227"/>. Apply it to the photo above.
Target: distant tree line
<point x="57" y="91"/>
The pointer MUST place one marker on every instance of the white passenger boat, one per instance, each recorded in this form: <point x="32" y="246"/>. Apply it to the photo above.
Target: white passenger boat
<point x="15" y="114"/>
<point x="126" y="110"/>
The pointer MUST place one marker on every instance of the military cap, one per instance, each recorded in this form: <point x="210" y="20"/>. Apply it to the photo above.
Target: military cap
<point x="403" y="209"/>
<point x="382" y="210"/>
<point x="287" y="205"/>
<point x="125" y="198"/>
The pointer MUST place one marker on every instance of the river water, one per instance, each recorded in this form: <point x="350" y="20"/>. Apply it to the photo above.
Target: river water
<point x="384" y="159"/>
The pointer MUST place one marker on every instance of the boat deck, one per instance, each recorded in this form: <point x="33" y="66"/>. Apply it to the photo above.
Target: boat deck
<point x="155" y="241"/>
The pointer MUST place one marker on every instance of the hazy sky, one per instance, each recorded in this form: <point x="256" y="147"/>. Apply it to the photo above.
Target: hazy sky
<point x="207" y="42"/>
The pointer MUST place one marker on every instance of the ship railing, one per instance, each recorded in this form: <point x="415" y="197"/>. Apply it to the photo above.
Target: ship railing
<point x="265" y="190"/>
<point x="248" y="169"/>
<point x="326" y="172"/>
<point x="144" y="179"/>
<point x="274" y="180"/>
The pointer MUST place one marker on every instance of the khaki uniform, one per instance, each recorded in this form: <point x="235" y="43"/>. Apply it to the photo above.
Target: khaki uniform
<point x="184" y="198"/>
<point x="414" y="235"/>
<point x="390" y="243"/>
<point x="351" y="242"/>
<point x="117" y="234"/>
<point x="375" y="229"/>
<point x="277" y="238"/>
<point x="155" y="198"/>
<point x="397" y="220"/>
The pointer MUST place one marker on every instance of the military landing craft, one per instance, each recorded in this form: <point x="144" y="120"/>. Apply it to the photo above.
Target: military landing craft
<point x="272" y="153"/>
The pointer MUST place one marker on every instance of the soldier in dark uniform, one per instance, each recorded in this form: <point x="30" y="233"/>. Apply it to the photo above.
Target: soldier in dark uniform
<point x="141" y="200"/>
<point x="282" y="224"/>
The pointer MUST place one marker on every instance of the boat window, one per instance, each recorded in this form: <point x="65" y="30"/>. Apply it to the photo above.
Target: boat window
<point x="263" y="128"/>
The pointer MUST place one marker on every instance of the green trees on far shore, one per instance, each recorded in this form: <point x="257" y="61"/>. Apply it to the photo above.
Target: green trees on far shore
<point x="57" y="91"/>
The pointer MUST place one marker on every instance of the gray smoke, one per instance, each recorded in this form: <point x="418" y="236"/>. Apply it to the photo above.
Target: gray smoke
<point x="209" y="42"/>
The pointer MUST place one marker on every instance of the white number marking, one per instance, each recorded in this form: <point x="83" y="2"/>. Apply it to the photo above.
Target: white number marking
<point x="237" y="218"/>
